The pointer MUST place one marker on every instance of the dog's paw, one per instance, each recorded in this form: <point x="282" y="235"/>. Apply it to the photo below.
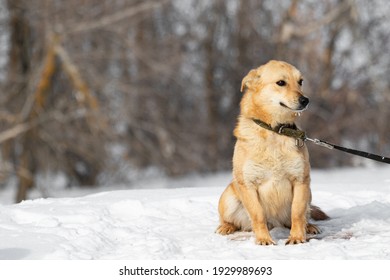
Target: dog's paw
<point x="265" y="241"/>
<point x="312" y="229"/>
<point x="226" y="228"/>
<point x="295" y="240"/>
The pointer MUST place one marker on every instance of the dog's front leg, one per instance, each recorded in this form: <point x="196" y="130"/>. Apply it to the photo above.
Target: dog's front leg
<point x="299" y="208"/>
<point x="251" y="202"/>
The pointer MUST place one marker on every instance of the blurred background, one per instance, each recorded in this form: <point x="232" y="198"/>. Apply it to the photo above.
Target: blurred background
<point x="99" y="92"/>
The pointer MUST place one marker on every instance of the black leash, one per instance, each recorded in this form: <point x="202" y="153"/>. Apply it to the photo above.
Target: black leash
<point x="300" y="137"/>
<point x="350" y="151"/>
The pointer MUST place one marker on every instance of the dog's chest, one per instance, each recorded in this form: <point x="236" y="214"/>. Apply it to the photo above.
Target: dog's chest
<point x="274" y="163"/>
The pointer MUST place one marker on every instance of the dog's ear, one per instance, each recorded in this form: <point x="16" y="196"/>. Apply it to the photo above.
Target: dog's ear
<point x="253" y="75"/>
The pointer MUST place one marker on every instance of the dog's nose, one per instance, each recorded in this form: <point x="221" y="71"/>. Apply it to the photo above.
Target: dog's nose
<point x="303" y="101"/>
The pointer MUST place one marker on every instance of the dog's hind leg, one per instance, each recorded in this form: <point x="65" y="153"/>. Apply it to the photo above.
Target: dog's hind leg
<point x="232" y="215"/>
<point x="226" y="228"/>
<point x="316" y="214"/>
<point x="312" y="229"/>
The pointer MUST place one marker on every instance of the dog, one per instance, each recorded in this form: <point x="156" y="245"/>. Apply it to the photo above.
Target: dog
<point x="271" y="171"/>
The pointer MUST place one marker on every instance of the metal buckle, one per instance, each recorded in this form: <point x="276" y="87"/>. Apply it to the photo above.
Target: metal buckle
<point x="281" y="128"/>
<point x="320" y="143"/>
<point x="299" y="142"/>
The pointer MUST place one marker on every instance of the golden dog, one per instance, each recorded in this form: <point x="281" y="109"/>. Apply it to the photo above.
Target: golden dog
<point x="271" y="171"/>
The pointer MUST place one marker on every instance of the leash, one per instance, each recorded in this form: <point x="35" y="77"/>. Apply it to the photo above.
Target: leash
<point x="350" y="151"/>
<point x="300" y="137"/>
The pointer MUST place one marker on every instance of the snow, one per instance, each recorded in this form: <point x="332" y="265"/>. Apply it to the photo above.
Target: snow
<point x="176" y="219"/>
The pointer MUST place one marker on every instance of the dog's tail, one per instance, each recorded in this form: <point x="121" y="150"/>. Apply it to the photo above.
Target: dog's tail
<point x="317" y="214"/>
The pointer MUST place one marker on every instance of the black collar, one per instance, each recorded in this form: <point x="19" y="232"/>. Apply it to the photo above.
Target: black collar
<point x="289" y="130"/>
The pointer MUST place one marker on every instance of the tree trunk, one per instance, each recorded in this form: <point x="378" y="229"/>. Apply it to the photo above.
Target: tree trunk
<point x="19" y="72"/>
<point x="211" y="101"/>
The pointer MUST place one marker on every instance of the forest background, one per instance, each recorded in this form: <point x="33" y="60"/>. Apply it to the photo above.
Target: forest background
<point x="94" y="91"/>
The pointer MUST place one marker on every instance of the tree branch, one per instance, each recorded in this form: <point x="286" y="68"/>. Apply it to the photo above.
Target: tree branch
<point x="111" y="19"/>
<point x="26" y="126"/>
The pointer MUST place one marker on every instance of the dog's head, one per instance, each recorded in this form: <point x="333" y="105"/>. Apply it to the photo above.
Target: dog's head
<point x="273" y="91"/>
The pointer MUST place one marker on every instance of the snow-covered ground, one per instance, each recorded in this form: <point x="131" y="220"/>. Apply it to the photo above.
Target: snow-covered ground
<point x="176" y="219"/>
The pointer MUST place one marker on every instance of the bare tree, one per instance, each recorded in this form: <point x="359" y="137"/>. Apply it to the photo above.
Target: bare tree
<point x="93" y="85"/>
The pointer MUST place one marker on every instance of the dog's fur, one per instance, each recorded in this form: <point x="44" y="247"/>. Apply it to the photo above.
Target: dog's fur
<point x="271" y="174"/>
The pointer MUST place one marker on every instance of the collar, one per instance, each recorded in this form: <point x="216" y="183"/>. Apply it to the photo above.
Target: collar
<point x="289" y="130"/>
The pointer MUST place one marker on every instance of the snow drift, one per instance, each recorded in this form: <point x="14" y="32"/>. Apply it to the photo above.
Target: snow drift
<point x="178" y="222"/>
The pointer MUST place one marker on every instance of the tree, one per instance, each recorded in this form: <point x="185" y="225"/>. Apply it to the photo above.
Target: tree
<point x="93" y="89"/>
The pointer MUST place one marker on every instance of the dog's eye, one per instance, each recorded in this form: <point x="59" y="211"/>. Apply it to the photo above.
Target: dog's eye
<point x="300" y="82"/>
<point x="281" y="83"/>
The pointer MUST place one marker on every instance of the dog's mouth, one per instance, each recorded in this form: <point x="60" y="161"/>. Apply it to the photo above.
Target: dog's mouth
<point x="302" y="104"/>
<point x="301" y="107"/>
